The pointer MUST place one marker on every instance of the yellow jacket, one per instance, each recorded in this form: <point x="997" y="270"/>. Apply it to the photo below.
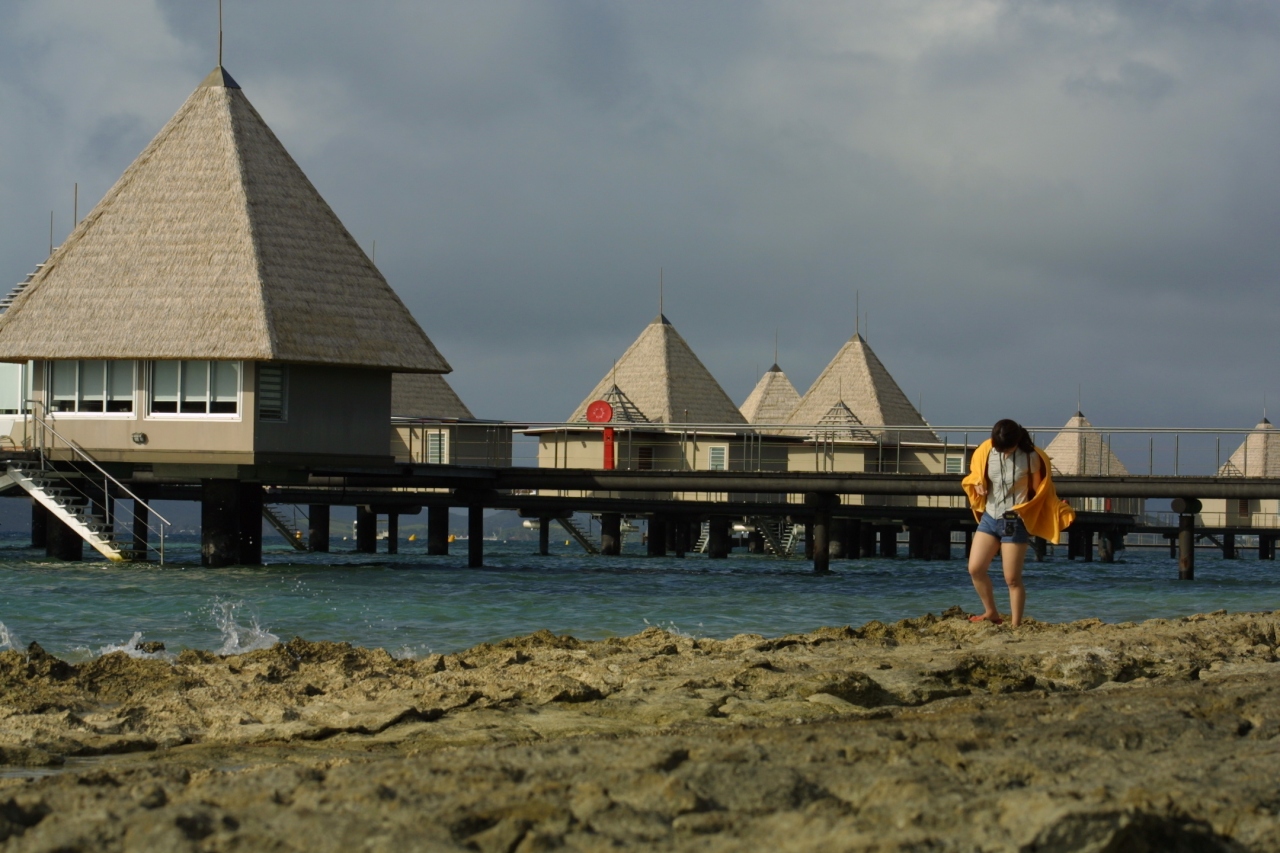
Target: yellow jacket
<point x="1044" y="515"/>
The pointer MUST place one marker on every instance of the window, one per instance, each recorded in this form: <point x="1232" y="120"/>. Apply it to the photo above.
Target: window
<point x="271" y="392"/>
<point x="437" y="448"/>
<point x="644" y="458"/>
<point x="955" y="465"/>
<point x="1244" y="507"/>
<point x="195" y="387"/>
<point x="718" y="458"/>
<point x="91" y="386"/>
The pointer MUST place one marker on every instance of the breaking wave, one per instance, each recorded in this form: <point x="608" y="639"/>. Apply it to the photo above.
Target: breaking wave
<point x="236" y="637"/>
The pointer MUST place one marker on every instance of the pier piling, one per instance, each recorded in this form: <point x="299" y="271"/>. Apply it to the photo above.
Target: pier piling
<point x="719" y="542"/>
<point x="888" y="541"/>
<point x="656" y="542"/>
<point x="140" y="530"/>
<point x="1228" y="546"/>
<point x="393" y="533"/>
<point x="1039" y="547"/>
<point x="230" y="523"/>
<point x="475" y="535"/>
<point x="437" y="531"/>
<point x="821" y="527"/>
<point x="61" y="542"/>
<point x="366" y="530"/>
<point x="318" y="528"/>
<point x="610" y="534"/>
<point x="1186" y="508"/>
<point x="544" y="535"/>
<point x="39" y="525"/>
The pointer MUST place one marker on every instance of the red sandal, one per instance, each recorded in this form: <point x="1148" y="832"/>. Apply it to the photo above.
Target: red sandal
<point x="995" y="620"/>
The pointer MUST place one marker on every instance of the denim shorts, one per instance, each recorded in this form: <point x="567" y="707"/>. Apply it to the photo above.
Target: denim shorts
<point x="996" y="527"/>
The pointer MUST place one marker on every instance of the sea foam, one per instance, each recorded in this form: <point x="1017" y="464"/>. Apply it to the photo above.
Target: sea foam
<point x="237" y="638"/>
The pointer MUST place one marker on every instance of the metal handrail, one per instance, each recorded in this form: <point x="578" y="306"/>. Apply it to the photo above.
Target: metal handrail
<point x="45" y="425"/>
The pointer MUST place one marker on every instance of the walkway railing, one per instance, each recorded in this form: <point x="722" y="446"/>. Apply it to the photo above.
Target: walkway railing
<point x="906" y="449"/>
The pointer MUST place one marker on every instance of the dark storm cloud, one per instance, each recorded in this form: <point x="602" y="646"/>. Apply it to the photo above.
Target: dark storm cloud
<point x="1063" y="194"/>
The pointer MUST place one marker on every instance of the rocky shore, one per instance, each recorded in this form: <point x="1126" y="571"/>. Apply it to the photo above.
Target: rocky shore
<point x="928" y="734"/>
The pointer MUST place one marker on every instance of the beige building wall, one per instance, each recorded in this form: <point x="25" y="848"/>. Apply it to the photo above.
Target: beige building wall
<point x="330" y="411"/>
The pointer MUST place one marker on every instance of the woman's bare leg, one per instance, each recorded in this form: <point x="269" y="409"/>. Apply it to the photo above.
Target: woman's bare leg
<point x="984" y="549"/>
<point x="1014" y="557"/>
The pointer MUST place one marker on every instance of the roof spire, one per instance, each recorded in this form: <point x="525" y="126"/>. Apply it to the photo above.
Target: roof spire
<point x="219" y="33"/>
<point x="660" y="291"/>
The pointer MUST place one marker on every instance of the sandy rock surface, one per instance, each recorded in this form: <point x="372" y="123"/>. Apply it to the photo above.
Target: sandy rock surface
<point x="929" y="734"/>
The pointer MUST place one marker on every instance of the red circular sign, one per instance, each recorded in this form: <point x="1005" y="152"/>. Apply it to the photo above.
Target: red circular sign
<point x="599" y="412"/>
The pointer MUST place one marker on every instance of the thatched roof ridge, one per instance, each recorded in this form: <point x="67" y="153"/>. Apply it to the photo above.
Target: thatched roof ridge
<point x="1080" y="450"/>
<point x="660" y="374"/>
<point x="1257" y="456"/>
<point x="857" y="378"/>
<point x="772" y="400"/>
<point x="213" y="244"/>
<point x="425" y="395"/>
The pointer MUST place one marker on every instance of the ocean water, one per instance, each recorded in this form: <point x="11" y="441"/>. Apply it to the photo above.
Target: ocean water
<point x="413" y="605"/>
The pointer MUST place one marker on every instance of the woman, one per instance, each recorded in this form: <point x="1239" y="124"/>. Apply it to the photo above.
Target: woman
<point x="1011" y="493"/>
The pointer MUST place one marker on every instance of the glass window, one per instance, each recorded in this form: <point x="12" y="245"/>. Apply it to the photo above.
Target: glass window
<point x="164" y="387"/>
<point x="64" y="381"/>
<point x="120" y="384"/>
<point x="955" y="465"/>
<point x="194" y="399"/>
<point x="195" y="387"/>
<point x="91" y="386"/>
<point x="718" y="458"/>
<point x="225" y="387"/>
<point x="437" y="449"/>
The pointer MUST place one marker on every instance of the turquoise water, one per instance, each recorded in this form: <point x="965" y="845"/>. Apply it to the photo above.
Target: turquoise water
<point x="412" y="604"/>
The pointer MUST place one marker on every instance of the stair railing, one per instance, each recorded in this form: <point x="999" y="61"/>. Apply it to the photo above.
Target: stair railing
<point x="45" y="436"/>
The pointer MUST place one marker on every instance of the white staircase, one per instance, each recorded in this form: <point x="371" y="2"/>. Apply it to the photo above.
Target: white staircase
<point x="285" y="526"/>
<point x="790" y="538"/>
<point x="779" y="536"/>
<point x="69" y="504"/>
<point x="571" y="527"/>
<point x="703" y="538"/>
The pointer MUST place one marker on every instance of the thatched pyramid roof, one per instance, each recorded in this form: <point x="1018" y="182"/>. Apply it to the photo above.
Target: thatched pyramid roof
<point x="1079" y="450"/>
<point x="425" y="395"/>
<point x="214" y="245"/>
<point x="1257" y="456"/>
<point x="772" y="400"/>
<point x="662" y="377"/>
<point x="856" y="378"/>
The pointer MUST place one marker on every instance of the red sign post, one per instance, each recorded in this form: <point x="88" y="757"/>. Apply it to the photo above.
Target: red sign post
<point x="600" y="412"/>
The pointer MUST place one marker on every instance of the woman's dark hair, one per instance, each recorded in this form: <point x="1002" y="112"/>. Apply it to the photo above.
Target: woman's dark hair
<point x="1007" y="434"/>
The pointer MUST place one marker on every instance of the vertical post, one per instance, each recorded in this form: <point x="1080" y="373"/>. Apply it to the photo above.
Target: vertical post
<point x="866" y="539"/>
<point x="318" y="528"/>
<point x="544" y="535"/>
<point x="1173" y="545"/>
<point x="1039" y="547"/>
<point x="1086" y="545"/>
<point x="437" y="530"/>
<point x="853" y="535"/>
<point x="249" y="536"/>
<point x="1228" y="546"/>
<point x="889" y="541"/>
<point x="63" y="543"/>
<point x="968" y="540"/>
<point x="393" y="533"/>
<point x="838" y="531"/>
<point x="140" y="530"/>
<point x="719" y="543"/>
<point x="679" y="536"/>
<point x="39" y="524"/>
<point x="610" y="534"/>
<point x="1186" y="546"/>
<point x="821" y="527"/>
<point x="475" y="535"/>
<point x="1106" y="547"/>
<point x="609" y="457"/>
<point x="219" y="522"/>
<point x="656" y="545"/>
<point x="366" y="530"/>
<point x="808" y="540"/>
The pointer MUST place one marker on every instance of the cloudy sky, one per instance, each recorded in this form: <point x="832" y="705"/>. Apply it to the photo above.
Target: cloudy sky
<point x="1030" y="196"/>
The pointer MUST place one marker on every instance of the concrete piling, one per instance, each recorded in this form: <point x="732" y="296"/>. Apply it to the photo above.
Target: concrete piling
<point x="475" y="536"/>
<point x="719" y="541"/>
<point x="366" y="530"/>
<point x="230" y="523"/>
<point x="610" y="534"/>
<point x="39" y="524"/>
<point x="393" y="533"/>
<point x="141" y="531"/>
<point x="437" y="531"/>
<point x="544" y="535"/>
<point x="61" y="542"/>
<point x="318" y="528"/>
<point x="656" y="542"/>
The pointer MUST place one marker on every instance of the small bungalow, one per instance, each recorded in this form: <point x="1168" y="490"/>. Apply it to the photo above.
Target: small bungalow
<point x="669" y="412"/>
<point x="772" y="400"/>
<point x="1081" y="450"/>
<point x="1257" y="456"/>
<point x="839" y="424"/>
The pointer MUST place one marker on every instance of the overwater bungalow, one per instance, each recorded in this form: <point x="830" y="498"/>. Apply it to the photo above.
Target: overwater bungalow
<point x="1082" y="450"/>
<point x="772" y="400"/>
<point x="1257" y="456"/>
<point x="212" y="318"/>
<point x="431" y="425"/>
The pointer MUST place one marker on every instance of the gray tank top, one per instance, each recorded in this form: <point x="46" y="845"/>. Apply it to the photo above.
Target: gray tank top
<point x="1010" y="479"/>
